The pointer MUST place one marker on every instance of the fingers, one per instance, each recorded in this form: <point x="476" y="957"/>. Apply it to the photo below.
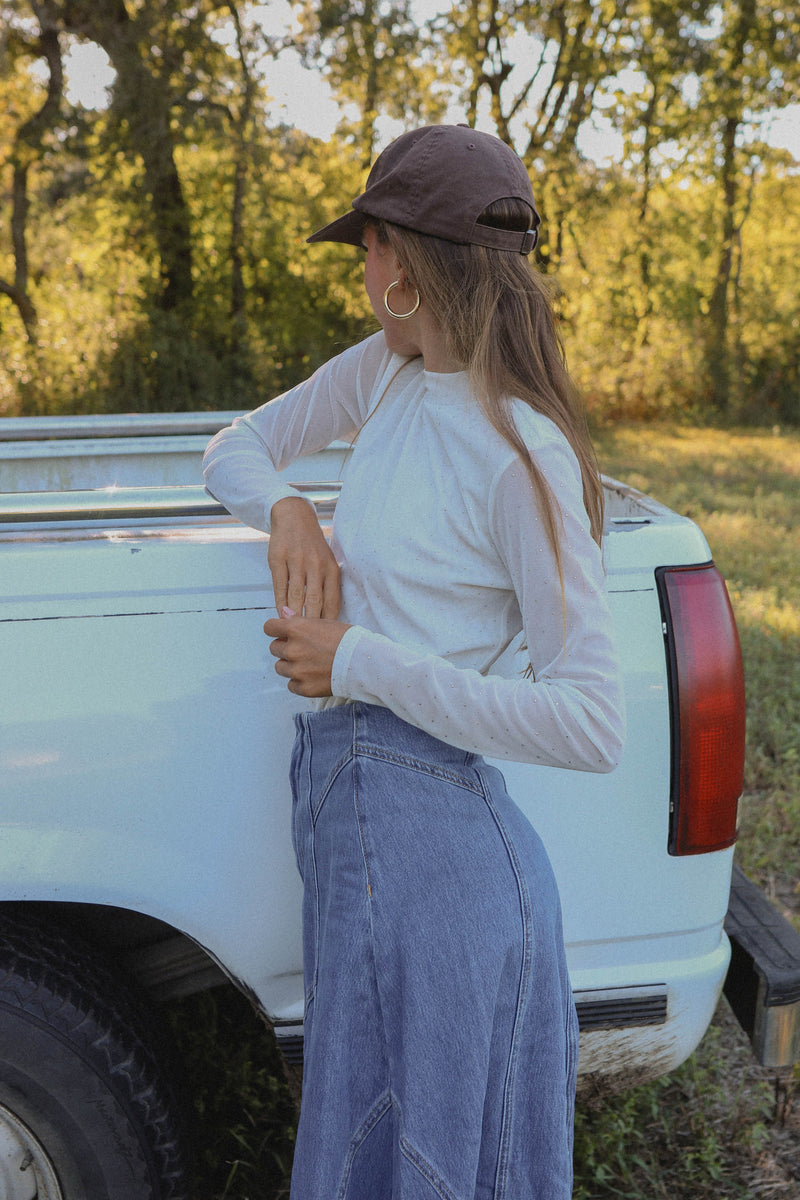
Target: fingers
<point x="305" y="574"/>
<point x="279" y="648"/>
<point x="290" y="659"/>
<point x="296" y="591"/>
<point x="280" y="583"/>
<point x="322" y="596"/>
<point x="304" y="651"/>
<point x="276" y="628"/>
<point x="332" y="594"/>
<point x="307" y="581"/>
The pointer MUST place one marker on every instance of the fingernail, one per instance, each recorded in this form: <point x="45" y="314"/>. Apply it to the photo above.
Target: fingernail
<point x="287" y="612"/>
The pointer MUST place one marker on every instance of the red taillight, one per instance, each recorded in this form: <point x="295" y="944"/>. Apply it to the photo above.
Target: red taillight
<point x="708" y="711"/>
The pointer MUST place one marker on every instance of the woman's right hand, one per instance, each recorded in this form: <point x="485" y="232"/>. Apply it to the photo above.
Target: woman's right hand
<point x="305" y="574"/>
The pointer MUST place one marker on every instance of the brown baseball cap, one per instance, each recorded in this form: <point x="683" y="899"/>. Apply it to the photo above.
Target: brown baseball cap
<point x="438" y="180"/>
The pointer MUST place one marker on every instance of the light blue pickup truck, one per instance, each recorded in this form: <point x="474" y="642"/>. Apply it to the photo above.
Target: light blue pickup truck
<point x="145" y="849"/>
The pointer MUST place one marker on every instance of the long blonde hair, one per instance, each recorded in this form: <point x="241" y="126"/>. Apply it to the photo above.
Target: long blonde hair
<point x="495" y="313"/>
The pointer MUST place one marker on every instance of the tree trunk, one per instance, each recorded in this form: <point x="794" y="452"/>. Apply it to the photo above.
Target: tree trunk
<point x="717" y="352"/>
<point x="143" y="98"/>
<point x="26" y="150"/>
<point x="148" y="114"/>
<point x="241" y="124"/>
<point x="25" y="307"/>
<point x="369" y="112"/>
<point x="645" y="265"/>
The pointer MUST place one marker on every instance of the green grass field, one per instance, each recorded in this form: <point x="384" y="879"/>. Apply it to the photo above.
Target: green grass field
<point x="720" y="1126"/>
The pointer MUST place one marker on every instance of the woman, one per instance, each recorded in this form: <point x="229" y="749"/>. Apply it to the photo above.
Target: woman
<point x="440" y="1032"/>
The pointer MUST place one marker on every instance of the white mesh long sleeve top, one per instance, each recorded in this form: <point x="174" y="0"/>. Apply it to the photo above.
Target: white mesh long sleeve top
<point x="444" y="558"/>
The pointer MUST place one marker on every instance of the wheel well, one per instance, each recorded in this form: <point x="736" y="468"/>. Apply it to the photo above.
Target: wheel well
<point x="159" y="959"/>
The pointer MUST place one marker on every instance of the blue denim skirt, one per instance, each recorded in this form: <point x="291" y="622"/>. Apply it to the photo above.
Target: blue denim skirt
<point x="440" y="1031"/>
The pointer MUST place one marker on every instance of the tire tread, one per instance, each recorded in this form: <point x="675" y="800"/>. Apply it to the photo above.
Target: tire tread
<point x="67" y="988"/>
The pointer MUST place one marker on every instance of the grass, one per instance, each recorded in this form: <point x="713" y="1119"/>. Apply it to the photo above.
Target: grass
<point x="720" y="1126"/>
<point x="243" y="1114"/>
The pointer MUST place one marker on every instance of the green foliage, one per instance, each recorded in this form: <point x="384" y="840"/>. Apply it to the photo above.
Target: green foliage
<point x="637" y="345"/>
<point x="102" y="342"/>
<point x="159" y="256"/>
<point x="376" y="58"/>
<point x="242" y="1112"/>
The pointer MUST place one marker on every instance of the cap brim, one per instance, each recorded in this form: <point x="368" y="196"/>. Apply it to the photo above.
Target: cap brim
<point x="348" y="229"/>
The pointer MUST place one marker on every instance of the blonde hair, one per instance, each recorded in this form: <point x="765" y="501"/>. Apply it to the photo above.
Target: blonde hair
<point x="495" y="313"/>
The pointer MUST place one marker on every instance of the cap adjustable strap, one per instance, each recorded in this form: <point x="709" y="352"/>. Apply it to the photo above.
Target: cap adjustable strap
<point x="505" y="239"/>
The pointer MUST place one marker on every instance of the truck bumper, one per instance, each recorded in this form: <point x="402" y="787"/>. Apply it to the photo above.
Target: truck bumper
<point x="763" y="981"/>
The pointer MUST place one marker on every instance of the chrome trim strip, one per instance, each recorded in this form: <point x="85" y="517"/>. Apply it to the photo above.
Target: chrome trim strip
<point x="105" y="425"/>
<point x="124" y="504"/>
<point x="776" y="1033"/>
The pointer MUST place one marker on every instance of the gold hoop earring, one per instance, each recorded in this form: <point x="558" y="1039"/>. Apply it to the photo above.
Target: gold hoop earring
<point x="399" y="316"/>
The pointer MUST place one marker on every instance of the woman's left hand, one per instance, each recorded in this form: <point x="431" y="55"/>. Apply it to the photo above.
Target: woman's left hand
<point x="305" y="648"/>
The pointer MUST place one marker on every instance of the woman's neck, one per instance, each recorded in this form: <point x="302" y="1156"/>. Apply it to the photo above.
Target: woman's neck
<point x="434" y="351"/>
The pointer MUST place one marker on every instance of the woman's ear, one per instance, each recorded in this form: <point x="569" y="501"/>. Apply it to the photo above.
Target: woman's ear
<point x="392" y="261"/>
<point x="388" y="255"/>
<point x="403" y="275"/>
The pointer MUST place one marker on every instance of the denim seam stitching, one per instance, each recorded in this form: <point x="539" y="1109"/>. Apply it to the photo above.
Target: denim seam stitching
<point x="312" y="984"/>
<point x="361" y="827"/>
<point x="378" y="995"/>
<point x="335" y="772"/>
<point x="425" y="1169"/>
<point x="313" y="818"/>
<point x="378" y="1110"/>
<point x="416" y="764"/>
<point x="522" y="997"/>
<point x="572" y="1036"/>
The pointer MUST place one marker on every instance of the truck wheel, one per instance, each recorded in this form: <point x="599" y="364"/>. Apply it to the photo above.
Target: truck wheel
<point x="84" y="1111"/>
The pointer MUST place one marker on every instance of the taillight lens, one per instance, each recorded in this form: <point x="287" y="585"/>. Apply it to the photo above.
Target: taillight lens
<point x="708" y="709"/>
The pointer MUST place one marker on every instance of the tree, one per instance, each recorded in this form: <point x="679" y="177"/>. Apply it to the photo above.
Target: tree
<point x="753" y="67"/>
<point x="27" y="148"/>
<point x="666" y="52"/>
<point x="153" y="254"/>
<point x="143" y="101"/>
<point x="374" y="56"/>
<point x="241" y="121"/>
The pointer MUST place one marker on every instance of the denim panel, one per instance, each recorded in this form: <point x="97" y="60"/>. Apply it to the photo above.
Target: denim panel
<point x="441" y="1040"/>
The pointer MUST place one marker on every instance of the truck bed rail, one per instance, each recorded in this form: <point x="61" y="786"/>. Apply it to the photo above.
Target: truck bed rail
<point x="124" y="504"/>
<point x="115" y="425"/>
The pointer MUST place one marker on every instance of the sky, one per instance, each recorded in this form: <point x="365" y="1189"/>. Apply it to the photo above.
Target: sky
<point x="303" y="99"/>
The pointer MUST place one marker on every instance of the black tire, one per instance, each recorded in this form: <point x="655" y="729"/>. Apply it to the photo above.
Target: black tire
<point x="80" y="1085"/>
